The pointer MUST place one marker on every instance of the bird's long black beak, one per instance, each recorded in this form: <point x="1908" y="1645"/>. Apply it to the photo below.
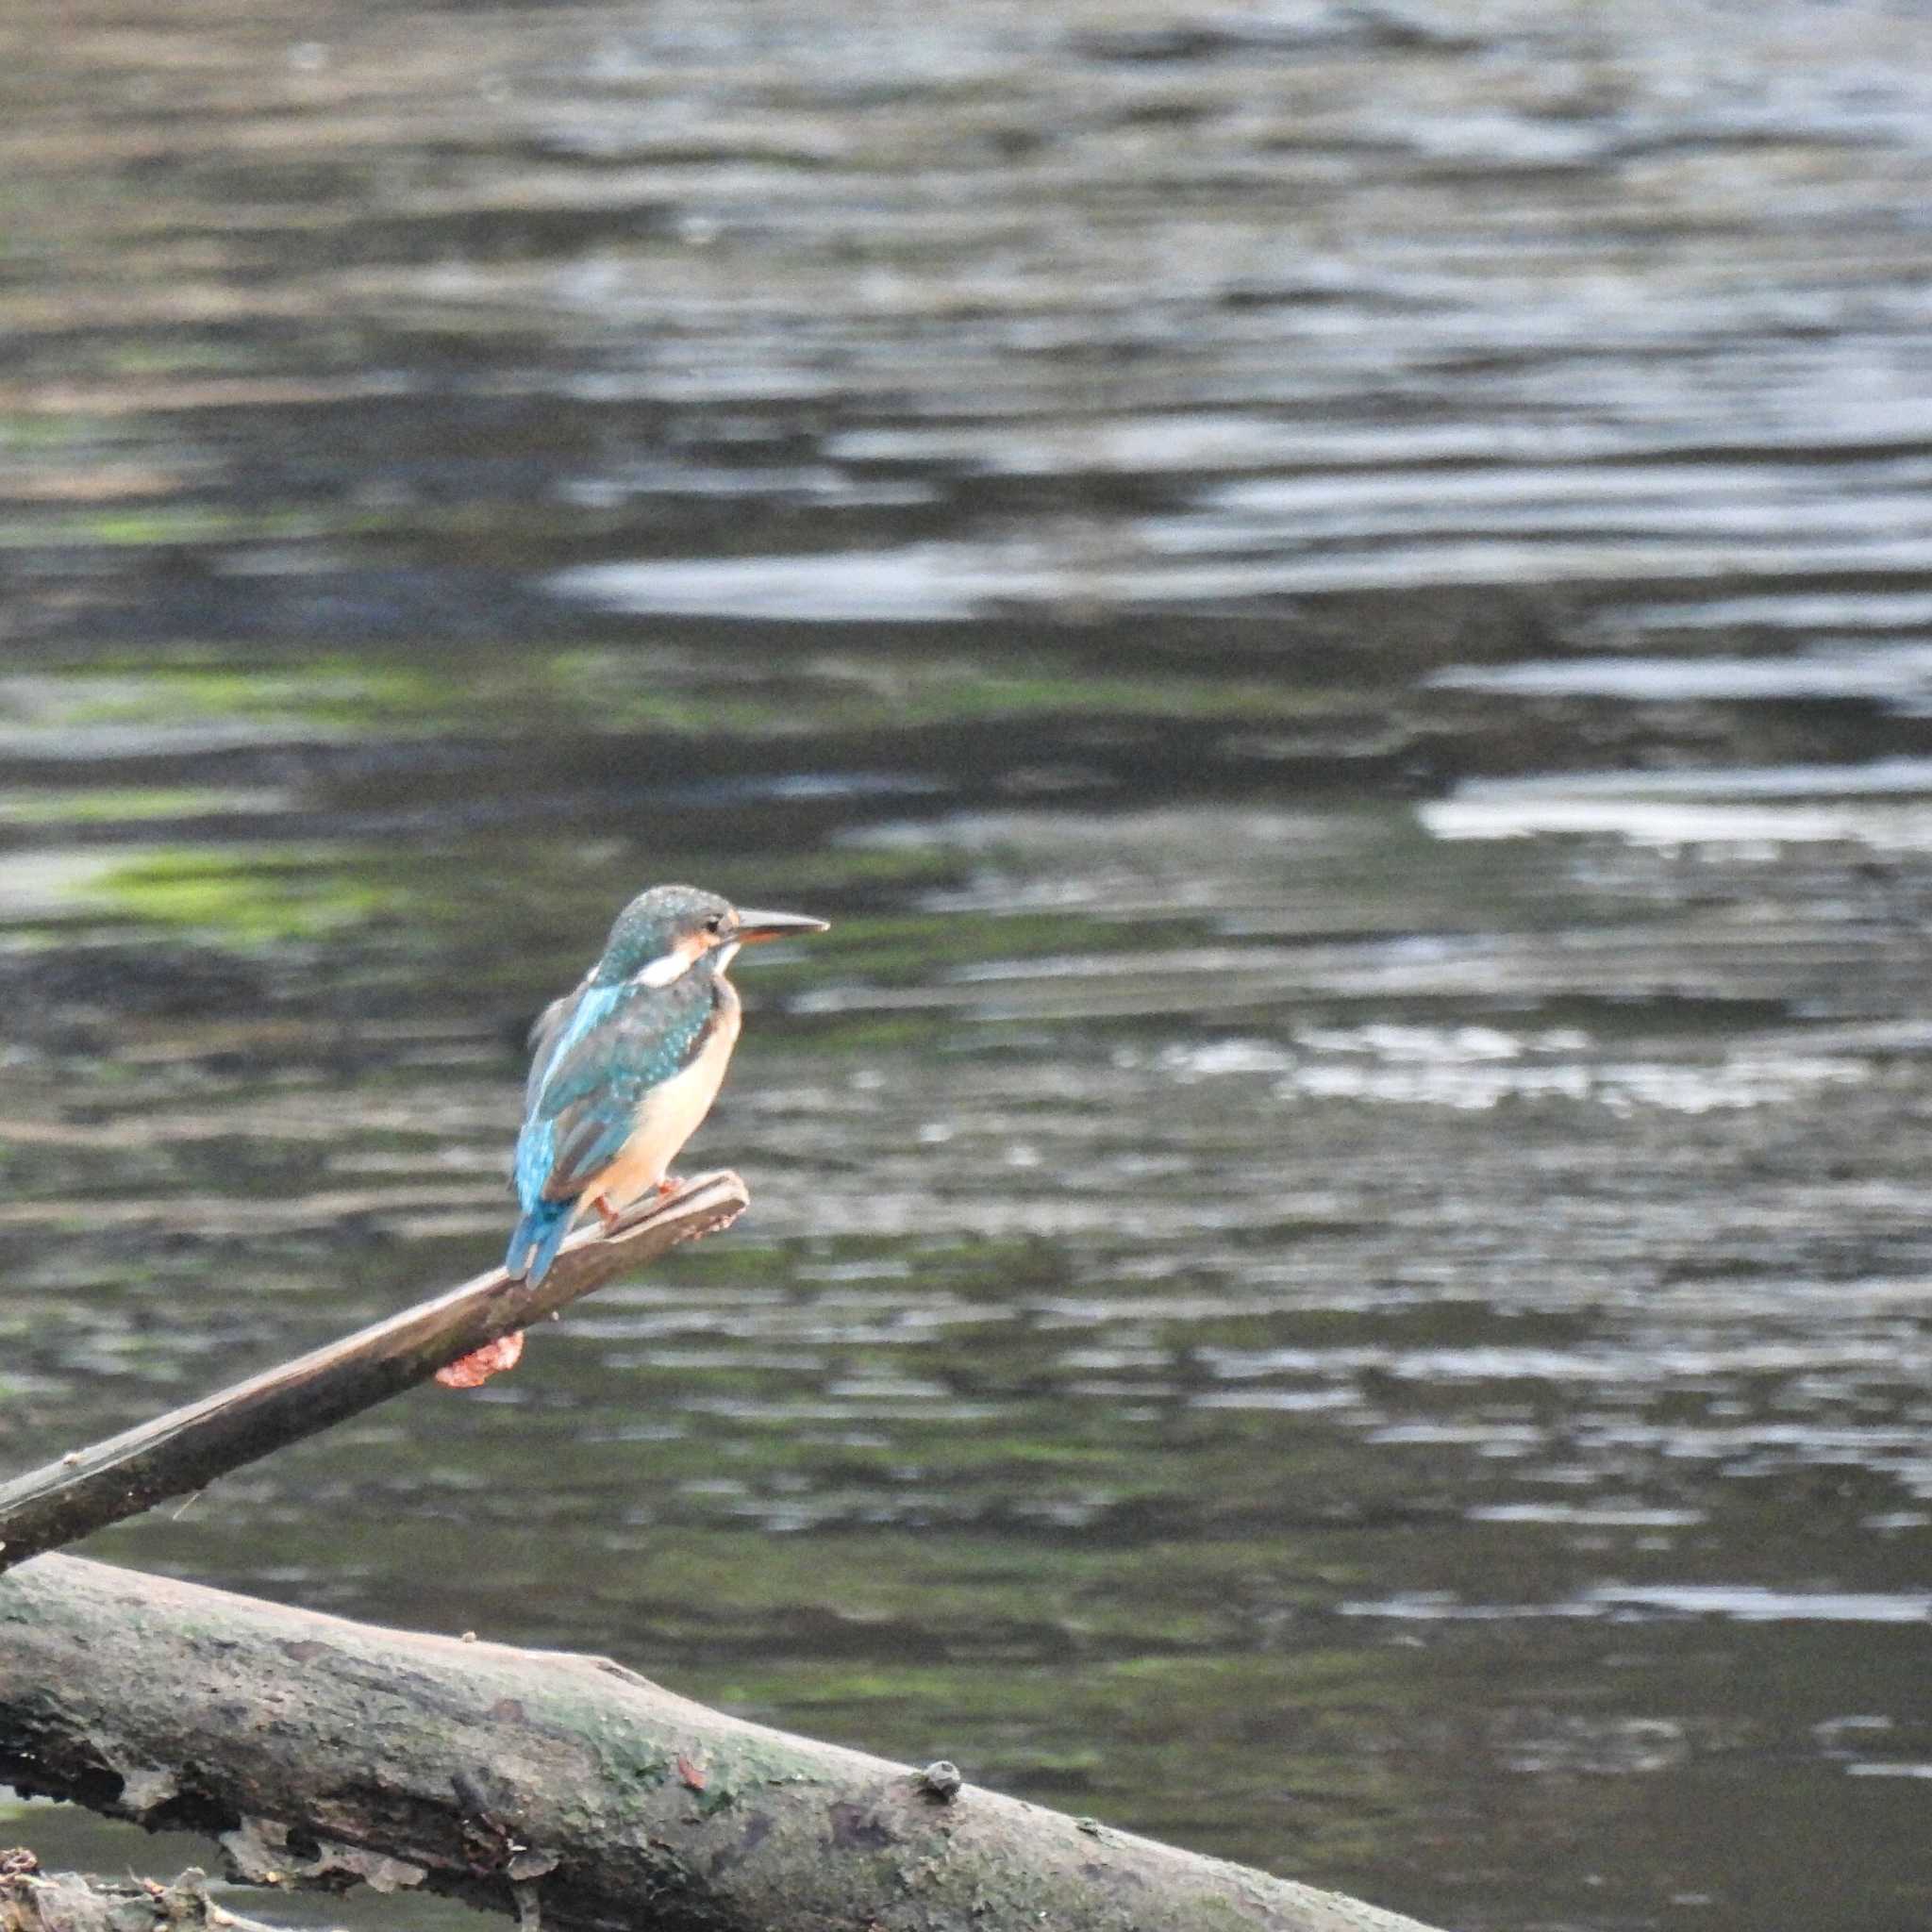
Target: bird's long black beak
<point x="755" y="927"/>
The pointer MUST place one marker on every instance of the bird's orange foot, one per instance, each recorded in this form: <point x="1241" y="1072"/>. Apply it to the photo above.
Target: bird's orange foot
<point x="605" y="1212"/>
<point x="473" y="1369"/>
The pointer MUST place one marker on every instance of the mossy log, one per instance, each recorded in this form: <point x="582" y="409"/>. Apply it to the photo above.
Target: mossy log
<point x="564" y="1788"/>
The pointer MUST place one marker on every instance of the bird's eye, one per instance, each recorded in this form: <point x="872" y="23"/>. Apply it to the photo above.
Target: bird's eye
<point x="715" y="924"/>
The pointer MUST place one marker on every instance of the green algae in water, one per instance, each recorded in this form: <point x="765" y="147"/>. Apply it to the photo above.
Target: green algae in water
<point x="132" y="804"/>
<point x="252" y="901"/>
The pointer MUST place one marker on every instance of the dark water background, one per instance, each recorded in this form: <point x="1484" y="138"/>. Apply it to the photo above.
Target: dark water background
<point x="1336" y="600"/>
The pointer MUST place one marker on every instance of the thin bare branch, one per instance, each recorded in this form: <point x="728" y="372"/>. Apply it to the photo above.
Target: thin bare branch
<point x="180" y="1451"/>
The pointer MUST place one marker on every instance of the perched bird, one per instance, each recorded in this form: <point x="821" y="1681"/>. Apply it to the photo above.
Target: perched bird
<point x="623" y="1068"/>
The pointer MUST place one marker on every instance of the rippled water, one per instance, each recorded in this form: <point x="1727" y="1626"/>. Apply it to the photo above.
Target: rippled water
<point x="1336" y="603"/>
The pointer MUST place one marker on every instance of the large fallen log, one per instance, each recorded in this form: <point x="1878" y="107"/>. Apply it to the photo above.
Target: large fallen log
<point x="565" y="1789"/>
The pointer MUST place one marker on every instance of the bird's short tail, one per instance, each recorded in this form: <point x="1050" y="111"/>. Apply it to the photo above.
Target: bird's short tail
<point x="538" y="1235"/>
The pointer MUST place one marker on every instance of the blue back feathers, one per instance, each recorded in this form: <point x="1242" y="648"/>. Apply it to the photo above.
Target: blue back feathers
<point x="536" y="1143"/>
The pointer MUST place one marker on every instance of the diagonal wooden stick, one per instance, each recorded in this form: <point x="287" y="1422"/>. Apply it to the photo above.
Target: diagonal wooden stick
<point x="181" y="1451"/>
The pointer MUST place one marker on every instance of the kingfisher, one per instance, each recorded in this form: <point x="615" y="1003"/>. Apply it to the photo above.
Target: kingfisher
<point x="625" y="1067"/>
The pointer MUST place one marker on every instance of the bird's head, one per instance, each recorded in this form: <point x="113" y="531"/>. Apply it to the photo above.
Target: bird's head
<point x="663" y="933"/>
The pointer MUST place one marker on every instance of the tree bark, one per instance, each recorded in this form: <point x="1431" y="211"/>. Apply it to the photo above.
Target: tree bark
<point x="565" y="1789"/>
<point x="188" y="1447"/>
<point x="36" y="1901"/>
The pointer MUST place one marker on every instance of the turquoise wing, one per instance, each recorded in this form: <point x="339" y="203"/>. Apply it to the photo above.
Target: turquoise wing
<point x="546" y="1030"/>
<point x="603" y="1060"/>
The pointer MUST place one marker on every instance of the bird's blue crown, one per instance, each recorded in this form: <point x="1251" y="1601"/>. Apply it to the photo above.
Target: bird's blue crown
<point x="652" y="926"/>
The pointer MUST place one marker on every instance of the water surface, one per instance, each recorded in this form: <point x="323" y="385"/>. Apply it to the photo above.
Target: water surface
<point x="1334" y="602"/>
